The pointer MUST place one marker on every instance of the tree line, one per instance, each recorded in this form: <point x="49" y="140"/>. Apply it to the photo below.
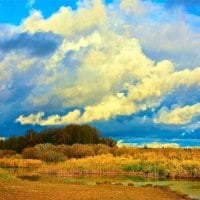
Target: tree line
<point x="69" y="135"/>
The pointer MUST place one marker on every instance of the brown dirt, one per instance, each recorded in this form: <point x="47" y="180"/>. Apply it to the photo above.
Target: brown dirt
<point x="26" y="190"/>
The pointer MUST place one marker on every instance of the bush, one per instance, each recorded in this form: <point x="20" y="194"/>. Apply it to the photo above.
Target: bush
<point x="5" y="175"/>
<point x="100" y="149"/>
<point x="121" y="151"/>
<point x="19" y="163"/>
<point x="65" y="149"/>
<point x="7" y="153"/>
<point x="52" y="156"/>
<point x="80" y="151"/>
<point x="146" y="167"/>
<point x="44" y="147"/>
<point x="192" y="169"/>
<point x="30" y="153"/>
<point x="137" y="167"/>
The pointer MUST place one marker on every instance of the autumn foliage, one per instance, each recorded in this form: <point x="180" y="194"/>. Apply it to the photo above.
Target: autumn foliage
<point x="80" y="150"/>
<point x="69" y="135"/>
<point x="103" y="160"/>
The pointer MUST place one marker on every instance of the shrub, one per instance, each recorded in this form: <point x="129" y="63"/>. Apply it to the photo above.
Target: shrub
<point x="19" y="163"/>
<point x="121" y="151"/>
<point x="30" y="153"/>
<point x="5" y="175"/>
<point x="100" y="149"/>
<point x="65" y="149"/>
<point x="146" y="167"/>
<point x="44" y="147"/>
<point x="80" y="151"/>
<point x="7" y="153"/>
<point x="192" y="169"/>
<point x="137" y="167"/>
<point x="52" y="156"/>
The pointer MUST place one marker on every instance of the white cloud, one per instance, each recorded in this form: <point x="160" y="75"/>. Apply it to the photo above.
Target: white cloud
<point x="30" y="3"/>
<point x="192" y="127"/>
<point x="156" y="145"/>
<point x="147" y="94"/>
<point x="109" y="62"/>
<point x="31" y="119"/>
<point x="178" y="116"/>
<point x="100" y="65"/>
<point x="12" y="63"/>
<point x="132" y="6"/>
<point x="67" y="22"/>
<point x="53" y="119"/>
<point x="166" y="33"/>
<point x="2" y="138"/>
<point x="162" y="145"/>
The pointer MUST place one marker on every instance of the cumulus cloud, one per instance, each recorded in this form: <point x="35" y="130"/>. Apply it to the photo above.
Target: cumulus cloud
<point x="121" y="143"/>
<point x="31" y="119"/>
<point x="132" y="6"/>
<point x="90" y="58"/>
<point x="178" y="116"/>
<point x="162" y="145"/>
<point x="190" y="128"/>
<point x="178" y="37"/>
<point x="103" y="69"/>
<point x="30" y="3"/>
<point x="53" y="119"/>
<point x="67" y="22"/>
<point x="142" y="96"/>
<point x="2" y="138"/>
<point x="38" y="44"/>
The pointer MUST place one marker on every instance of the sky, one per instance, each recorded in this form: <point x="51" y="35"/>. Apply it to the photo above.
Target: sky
<point x="131" y="68"/>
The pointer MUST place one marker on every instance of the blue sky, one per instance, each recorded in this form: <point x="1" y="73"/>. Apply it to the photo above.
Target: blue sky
<point x="129" y="67"/>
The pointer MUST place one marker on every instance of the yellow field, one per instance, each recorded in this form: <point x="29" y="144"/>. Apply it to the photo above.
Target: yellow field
<point x="143" y="161"/>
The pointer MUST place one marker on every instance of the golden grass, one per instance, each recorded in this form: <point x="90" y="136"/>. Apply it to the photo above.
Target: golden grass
<point x="19" y="163"/>
<point x="152" y="162"/>
<point x="109" y="163"/>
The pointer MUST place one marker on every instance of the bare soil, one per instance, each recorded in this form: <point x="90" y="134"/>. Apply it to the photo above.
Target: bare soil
<point x="27" y="190"/>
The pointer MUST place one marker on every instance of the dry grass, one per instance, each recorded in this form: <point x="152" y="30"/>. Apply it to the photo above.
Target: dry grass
<point x="103" y="164"/>
<point x="19" y="163"/>
<point x="144" y="161"/>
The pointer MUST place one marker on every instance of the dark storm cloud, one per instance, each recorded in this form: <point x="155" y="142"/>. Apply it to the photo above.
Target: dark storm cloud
<point x="38" y="44"/>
